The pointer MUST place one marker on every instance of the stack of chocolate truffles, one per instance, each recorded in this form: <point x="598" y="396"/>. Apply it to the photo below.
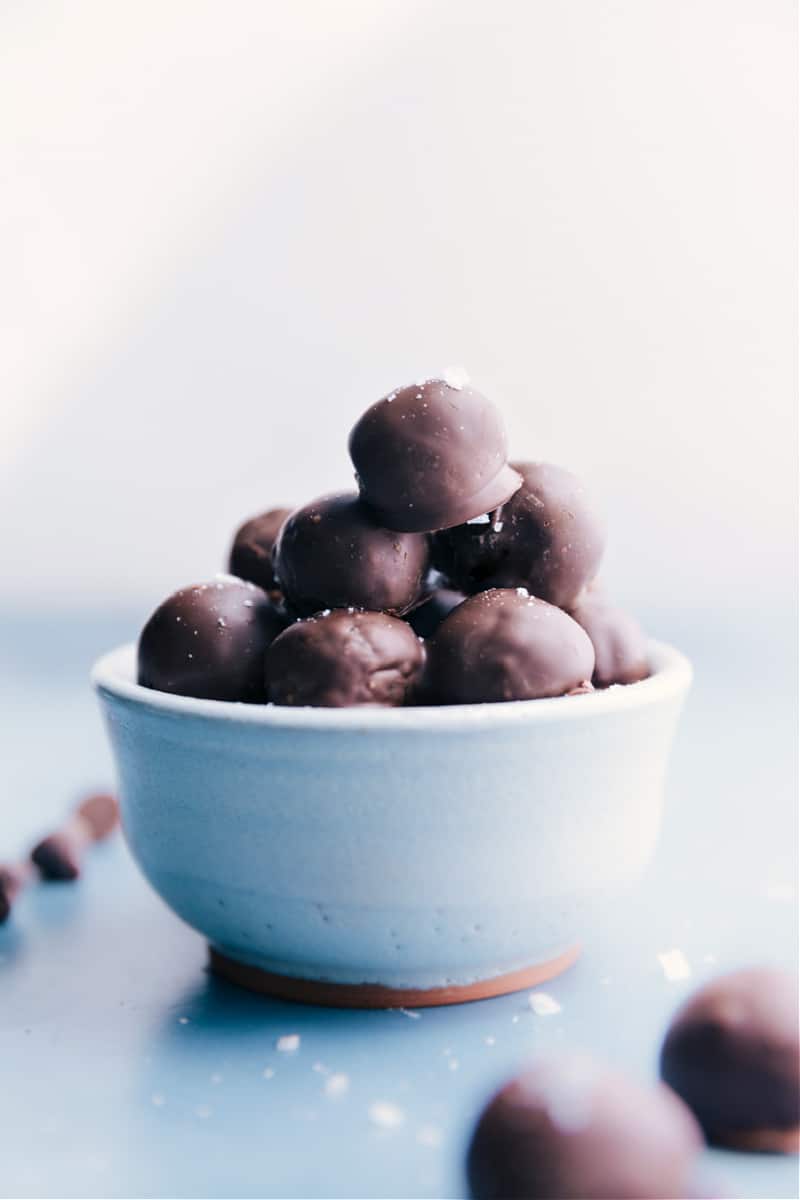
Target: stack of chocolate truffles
<point x="450" y="576"/>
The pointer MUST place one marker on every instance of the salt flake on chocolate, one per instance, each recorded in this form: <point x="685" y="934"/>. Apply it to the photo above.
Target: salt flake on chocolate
<point x="675" y="965"/>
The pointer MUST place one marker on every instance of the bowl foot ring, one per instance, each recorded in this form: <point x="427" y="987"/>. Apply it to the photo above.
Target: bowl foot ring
<point x="374" y="995"/>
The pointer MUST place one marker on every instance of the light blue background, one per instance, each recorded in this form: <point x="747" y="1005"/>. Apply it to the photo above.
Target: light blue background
<point x="106" y="1008"/>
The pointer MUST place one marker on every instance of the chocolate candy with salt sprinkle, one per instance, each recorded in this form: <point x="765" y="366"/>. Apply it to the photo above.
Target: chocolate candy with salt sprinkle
<point x="209" y="641"/>
<point x="620" y="648"/>
<point x="334" y="553"/>
<point x="546" y="538"/>
<point x="251" y="553"/>
<point x="732" y="1053"/>
<point x="432" y="455"/>
<point x="504" y="644"/>
<point x="571" y="1129"/>
<point x="343" y="658"/>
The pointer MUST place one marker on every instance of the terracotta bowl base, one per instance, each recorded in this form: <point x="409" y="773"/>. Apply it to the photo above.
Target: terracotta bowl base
<point x="373" y="995"/>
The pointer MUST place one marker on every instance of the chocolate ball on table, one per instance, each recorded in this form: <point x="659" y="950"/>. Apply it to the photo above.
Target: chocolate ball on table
<point x="344" y="658"/>
<point x="333" y="553"/>
<point x="209" y="641"/>
<point x="504" y="644"/>
<point x="620" y="647"/>
<point x="426" y="619"/>
<point x="546" y="537"/>
<point x="251" y="553"/>
<point x="732" y="1053"/>
<point x="431" y="455"/>
<point x="570" y="1129"/>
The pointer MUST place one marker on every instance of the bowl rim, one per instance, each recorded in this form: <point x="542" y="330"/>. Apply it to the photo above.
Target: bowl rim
<point x="114" y="677"/>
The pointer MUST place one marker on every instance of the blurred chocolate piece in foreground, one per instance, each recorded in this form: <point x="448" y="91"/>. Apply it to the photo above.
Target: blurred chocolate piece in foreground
<point x="60" y="855"/>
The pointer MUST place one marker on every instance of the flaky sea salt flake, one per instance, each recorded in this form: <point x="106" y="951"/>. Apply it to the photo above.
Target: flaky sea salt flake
<point x="543" y="1004"/>
<point x="336" y="1085"/>
<point x="429" y="1135"/>
<point x="675" y="965"/>
<point x="456" y="377"/>
<point x="386" y="1115"/>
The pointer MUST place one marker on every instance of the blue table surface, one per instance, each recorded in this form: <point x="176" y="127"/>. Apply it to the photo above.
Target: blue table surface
<point x="129" y="1072"/>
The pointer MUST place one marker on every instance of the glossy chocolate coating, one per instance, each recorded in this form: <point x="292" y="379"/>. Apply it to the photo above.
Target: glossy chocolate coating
<point x="431" y="455"/>
<point x="546" y="538"/>
<point x="732" y="1053"/>
<point x="333" y="553"/>
<point x="344" y="658"/>
<point x="506" y="645"/>
<point x="209" y="641"/>
<point x="620" y="648"/>
<point x="426" y="619"/>
<point x="570" y="1130"/>
<point x="251" y="553"/>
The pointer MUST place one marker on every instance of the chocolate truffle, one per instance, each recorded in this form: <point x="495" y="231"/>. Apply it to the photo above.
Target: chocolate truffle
<point x="620" y="649"/>
<point x="546" y="538"/>
<point x="732" y="1053"/>
<point x="426" y="619"/>
<point x="431" y="455"/>
<point x="209" y="641"/>
<point x="344" y="658"/>
<point x="333" y="553"/>
<point x="570" y="1129"/>
<point x="506" y="645"/>
<point x="251" y="552"/>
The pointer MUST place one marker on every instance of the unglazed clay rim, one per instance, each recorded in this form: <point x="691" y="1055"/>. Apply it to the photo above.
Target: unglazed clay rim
<point x="376" y="995"/>
<point x="114" y="675"/>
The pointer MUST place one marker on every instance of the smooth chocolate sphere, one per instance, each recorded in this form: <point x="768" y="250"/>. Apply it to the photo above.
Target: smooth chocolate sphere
<point x="427" y="618"/>
<point x="506" y="645"/>
<point x="732" y="1053"/>
<point x="333" y="553"/>
<point x="431" y="455"/>
<point x="620" y="648"/>
<point x="570" y="1130"/>
<point x="344" y="658"/>
<point x="546" y="538"/>
<point x="209" y="641"/>
<point x="251" y="553"/>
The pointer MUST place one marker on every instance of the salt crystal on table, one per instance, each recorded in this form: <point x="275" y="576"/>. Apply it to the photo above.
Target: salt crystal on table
<point x="158" y="1100"/>
<point x="336" y="1085"/>
<point x="408" y="1012"/>
<point x="288" y="1043"/>
<point x="387" y="1115"/>
<point x="674" y="964"/>
<point x="489" y="1041"/>
<point x="183" y="1020"/>
<point x="203" y="1111"/>
<point x="268" y="1072"/>
<point x="453" y="1064"/>
<point x="543" y="1004"/>
<point x="429" y="1135"/>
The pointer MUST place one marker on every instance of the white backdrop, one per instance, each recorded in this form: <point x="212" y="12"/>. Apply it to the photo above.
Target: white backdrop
<point x="227" y="228"/>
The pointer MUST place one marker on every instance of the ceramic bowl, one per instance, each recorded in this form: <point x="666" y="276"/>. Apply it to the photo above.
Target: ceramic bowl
<point x="392" y="856"/>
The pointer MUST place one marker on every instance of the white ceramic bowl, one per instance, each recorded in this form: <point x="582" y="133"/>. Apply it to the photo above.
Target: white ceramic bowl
<point x="376" y="856"/>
